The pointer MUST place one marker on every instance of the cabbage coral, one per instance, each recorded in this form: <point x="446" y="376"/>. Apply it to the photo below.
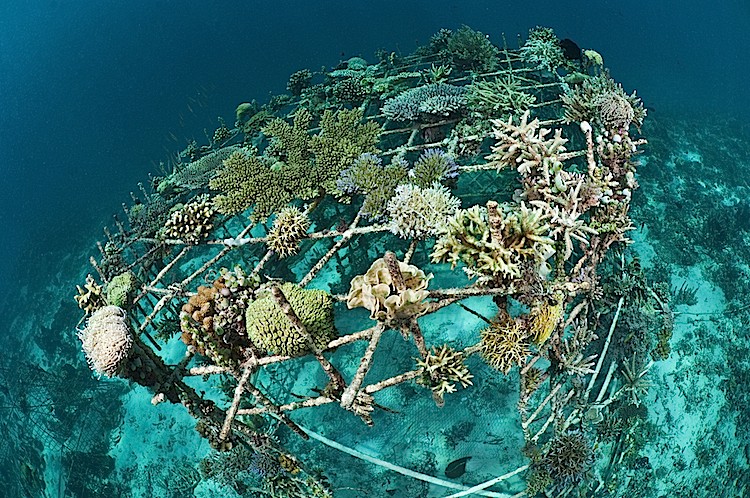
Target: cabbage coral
<point x="377" y="292"/>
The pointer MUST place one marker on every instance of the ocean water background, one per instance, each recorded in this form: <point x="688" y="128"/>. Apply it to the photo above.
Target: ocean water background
<point x="92" y="92"/>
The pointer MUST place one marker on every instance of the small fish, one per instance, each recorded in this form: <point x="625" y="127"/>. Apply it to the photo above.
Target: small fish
<point x="457" y="468"/>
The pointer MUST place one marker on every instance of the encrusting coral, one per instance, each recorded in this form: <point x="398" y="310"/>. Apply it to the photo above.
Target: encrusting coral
<point x="377" y="292"/>
<point x="121" y="288"/>
<point x="271" y="330"/>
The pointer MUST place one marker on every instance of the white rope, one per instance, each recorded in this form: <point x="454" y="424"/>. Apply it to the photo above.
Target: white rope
<point x="489" y="483"/>
<point x="396" y="468"/>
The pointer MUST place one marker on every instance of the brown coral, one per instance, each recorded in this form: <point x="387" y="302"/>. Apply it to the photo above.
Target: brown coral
<point x="505" y="344"/>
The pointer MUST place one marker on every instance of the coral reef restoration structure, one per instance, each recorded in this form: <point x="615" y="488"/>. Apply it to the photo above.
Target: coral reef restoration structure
<point x="466" y="178"/>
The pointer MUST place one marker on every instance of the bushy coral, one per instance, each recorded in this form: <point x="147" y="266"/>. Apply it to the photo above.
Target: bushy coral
<point x="433" y="165"/>
<point x="367" y="175"/>
<point x="121" y="288"/>
<point x="298" y="81"/>
<point x="428" y="102"/>
<point x="270" y="329"/>
<point x="245" y="181"/>
<point x="470" y="49"/>
<point x="289" y="226"/>
<point x="544" y="319"/>
<point x="542" y="49"/>
<point x="493" y="98"/>
<point x="568" y="458"/>
<point x="196" y="174"/>
<point x="107" y="340"/>
<point x="350" y="90"/>
<point x="192" y="222"/>
<point x="602" y="101"/>
<point x="377" y="292"/>
<point x="416" y="212"/>
<point x="504" y="344"/>
<point x="442" y="369"/>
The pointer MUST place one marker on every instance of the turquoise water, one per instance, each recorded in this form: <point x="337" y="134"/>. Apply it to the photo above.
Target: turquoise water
<point x="94" y="97"/>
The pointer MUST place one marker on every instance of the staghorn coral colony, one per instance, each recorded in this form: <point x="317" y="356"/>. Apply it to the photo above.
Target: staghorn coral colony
<point x="467" y="184"/>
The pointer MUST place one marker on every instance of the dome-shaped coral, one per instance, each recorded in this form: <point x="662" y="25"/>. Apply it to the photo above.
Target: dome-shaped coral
<point x="270" y="329"/>
<point x="121" y="288"/>
<point x="107" y="340"/>
<point x="376" y="291"/>
<point x="192" y="222"/>
<point x="419" y="213"/>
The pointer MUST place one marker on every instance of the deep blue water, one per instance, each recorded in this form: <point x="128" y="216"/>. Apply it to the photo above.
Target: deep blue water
<point x="89" y="91"/>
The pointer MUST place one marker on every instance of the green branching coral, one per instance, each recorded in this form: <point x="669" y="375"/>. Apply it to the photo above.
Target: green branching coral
<point x="433" y="165"/>
<point x="290" y="143"/>
<point x="568" y="458"/>
<point x="121" y="288"/>
<point x="270" y="329"/>
<point x="419" y="213"/>
<point x="493" y="98"/>
<point x="245" y="181"/>
<point x="367" y="175"/>
<point x="289" y="226"/>
<point x="377" y="292"/>
<point x="342" y="138"/>
<point x="542" y="49"/>
<point x="192" y="222"/>
<point x="470" y="49"/>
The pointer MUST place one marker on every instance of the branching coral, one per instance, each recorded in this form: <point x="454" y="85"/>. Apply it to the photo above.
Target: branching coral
<point x="289" y="226"/>
<point x="245" y="181"/>
<point x="428" y="102"/>
<point x="542" y="49"/>
<point x="601" y="100"/>
<point x="196" y="174"/>
<point x="433" y="165"/>
<point x="442" y="369"/>
<point x="270" y="329"/>
<point x="544" y="319"/>
<point x="526" y="147"/>
<point x="494" y="242"/>
<point x="496" y="97"/>
<point x="90" y="297"/>
<point x="419" y="213"/>
<point x="368" y="176"/>
<point x="191" y="223"/>
<point x="377" y="292"/>
<point x="342" y="139"/>
<point x="505" y="344"/>
<point x="107" y="340"/>
<point x="568" y="458"/>
<point x="298" y="81"/>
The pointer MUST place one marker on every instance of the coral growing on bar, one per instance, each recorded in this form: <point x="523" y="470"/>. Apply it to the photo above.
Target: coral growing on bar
<point x="428" y="102"/>
<point x="121" y="288"/>
<point x="416" y="212"/>
<point x="442" y="369"/>
<point x="542" y="49"/>
<point x="107" y="340"/>
<point x="298" y="81"/>
<point x="289" y="226"/>
<point x="493" y="98"/>
<point x="377" y="291"/>
<point x="270" y="329"/>
<point x="192" y="222"/>
<point x="433" y="165"/>
<point x="602" y="101"/>
<point x="470" y="49"/>
<point x="568" y="458"/>
<point x="505" y="344"/>
<point x="90" y="297"/>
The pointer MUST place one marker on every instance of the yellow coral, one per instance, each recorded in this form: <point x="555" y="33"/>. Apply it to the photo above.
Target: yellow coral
<point x="543" y="320"/>
<point x="504" y="344"/>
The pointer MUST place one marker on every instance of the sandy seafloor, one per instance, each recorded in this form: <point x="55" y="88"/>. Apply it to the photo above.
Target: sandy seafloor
<point x="696" y="445"/>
